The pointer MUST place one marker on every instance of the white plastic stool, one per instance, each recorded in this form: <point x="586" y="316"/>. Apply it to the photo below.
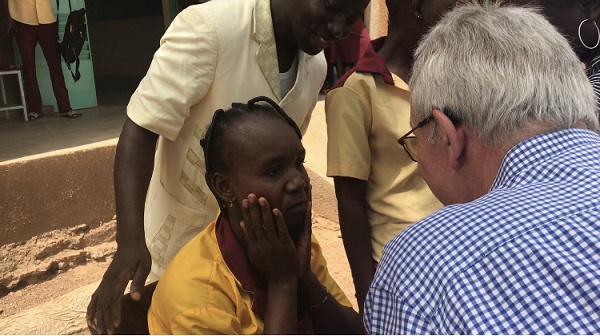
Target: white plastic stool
<point x="5" y="106"/>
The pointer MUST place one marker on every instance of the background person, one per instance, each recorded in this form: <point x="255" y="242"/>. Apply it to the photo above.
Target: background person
<point x="506" y="138"/>
<point x="578" y="21"/>
<point x="255" y="269"/>
<point x="211" y="54"/>
<point x="378" y="187"/>
<point x="33" y="22"/>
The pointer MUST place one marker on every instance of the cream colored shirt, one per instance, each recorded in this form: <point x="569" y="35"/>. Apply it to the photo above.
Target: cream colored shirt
<point x="211" y="55"/>
<point x="31" y="12"/>
<point x="365" y="118"/>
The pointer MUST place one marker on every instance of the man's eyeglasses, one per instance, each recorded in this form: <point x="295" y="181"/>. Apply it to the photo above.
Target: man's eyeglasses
<point x="409" y="142"/>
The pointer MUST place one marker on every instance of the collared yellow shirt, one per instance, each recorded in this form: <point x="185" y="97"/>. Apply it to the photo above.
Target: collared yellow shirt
<point x="31" y="12"/>
<point x="199" y="294"/>
<point x="365" y="117"/>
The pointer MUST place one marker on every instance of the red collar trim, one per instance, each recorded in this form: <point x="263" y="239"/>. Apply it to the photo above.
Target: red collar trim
<point x="234" y="254"/>
<point x="369" y="62"/>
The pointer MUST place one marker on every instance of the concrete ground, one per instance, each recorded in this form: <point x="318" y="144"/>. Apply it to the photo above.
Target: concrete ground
<point x="99" y="129"/>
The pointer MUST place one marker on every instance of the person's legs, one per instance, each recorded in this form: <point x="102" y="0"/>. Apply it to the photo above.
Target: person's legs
<point x="27" y="39"/>
<point x="48" y="38"/>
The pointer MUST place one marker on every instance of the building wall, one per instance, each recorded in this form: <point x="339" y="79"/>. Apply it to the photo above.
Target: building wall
<point x="124" y="48"/>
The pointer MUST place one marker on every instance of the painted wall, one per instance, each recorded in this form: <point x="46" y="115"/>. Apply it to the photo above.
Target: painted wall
<point x="124" y="48"/>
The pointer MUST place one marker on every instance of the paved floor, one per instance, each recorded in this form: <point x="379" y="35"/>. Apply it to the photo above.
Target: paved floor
<point x="19" y="139"/>
<point x="49" y="133"/>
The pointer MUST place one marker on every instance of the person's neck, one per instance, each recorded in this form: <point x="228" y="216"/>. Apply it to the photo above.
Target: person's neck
<point x="285" y="42"/>
<point x="234" y="222"/>
<point x="480" y="170"/>
<point x="397" y="53"/>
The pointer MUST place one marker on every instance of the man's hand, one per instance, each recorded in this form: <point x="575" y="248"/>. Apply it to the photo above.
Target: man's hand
<point x="104" y="311"/>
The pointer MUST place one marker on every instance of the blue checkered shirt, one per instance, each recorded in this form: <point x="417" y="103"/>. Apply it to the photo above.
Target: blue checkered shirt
<point x="522" y="259"/>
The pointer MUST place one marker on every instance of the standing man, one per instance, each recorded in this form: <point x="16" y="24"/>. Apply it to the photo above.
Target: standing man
<point x="213" y="54"/>
<point x="505" y="134"/>
<point x="34" y="22"/>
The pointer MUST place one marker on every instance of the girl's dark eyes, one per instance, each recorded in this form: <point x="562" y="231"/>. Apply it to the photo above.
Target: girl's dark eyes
<point x="275" y="171"/>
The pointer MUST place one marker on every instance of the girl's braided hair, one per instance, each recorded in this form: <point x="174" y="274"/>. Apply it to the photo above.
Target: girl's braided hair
<point x="222" y="121"/>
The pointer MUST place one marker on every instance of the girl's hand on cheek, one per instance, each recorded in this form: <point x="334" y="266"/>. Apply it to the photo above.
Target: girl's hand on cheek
<point x="268" y="243"/>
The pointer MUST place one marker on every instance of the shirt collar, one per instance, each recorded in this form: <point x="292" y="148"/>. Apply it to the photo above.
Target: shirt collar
<point x="528" y="154"/>
<point x="369" y="61"/>
<point x="234" y="254"/>
<point x="266" y="55"/>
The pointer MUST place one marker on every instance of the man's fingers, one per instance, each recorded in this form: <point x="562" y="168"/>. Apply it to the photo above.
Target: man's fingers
<point x="91" y="312"/>
<point x="138" y="282"/>
<point x="115" y="313"/>
<point x="105" y="321"/>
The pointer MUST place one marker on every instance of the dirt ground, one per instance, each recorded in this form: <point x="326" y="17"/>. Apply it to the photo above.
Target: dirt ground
<point x="56" y="283"/>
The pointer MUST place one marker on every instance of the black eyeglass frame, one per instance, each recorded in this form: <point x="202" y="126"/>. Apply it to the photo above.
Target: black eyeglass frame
<point x="402" y="140"/>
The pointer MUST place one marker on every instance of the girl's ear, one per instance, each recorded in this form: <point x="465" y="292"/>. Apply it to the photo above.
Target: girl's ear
<point x="222" y="187"/>
<point x="418" y="9"/>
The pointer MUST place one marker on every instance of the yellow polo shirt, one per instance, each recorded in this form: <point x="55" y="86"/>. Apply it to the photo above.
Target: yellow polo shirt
<point x="365" y="118"/>
<point x="207" y="288"/>
<point x="31" y="12"/>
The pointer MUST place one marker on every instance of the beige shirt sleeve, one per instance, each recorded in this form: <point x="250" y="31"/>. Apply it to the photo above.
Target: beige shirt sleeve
<point x="348" y="130"/>
<point x="181" y="73"/>
<point x="31" y="12"/>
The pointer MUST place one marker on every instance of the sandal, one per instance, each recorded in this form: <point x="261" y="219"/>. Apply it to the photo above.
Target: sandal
<point x="71" y="114"/>
<point x="31" y="116"/>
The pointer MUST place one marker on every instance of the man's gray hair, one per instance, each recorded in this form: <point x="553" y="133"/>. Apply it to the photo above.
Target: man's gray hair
<point x="500" y="69"/>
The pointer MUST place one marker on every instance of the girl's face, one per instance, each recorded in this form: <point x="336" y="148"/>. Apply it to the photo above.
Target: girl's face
<point x="269" y="162"/>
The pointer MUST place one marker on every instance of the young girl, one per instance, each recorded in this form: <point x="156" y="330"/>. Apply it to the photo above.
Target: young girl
<point x="256" y="269"/>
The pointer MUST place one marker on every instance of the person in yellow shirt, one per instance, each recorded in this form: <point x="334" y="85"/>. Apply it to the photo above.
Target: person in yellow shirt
<point x="211" y="54"/>
<point x="33" y="22"/>
<point x="257" y="268"/>
<point x="378" y="187"/>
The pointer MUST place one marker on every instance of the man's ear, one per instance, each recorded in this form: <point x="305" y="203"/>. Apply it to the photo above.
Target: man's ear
<point x="454" y="137"/>
<point x="222" y="187"/>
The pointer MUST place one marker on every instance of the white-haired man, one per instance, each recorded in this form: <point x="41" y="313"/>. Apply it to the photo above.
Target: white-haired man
<point x="505" y="128"/>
